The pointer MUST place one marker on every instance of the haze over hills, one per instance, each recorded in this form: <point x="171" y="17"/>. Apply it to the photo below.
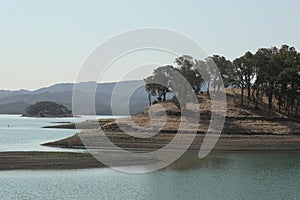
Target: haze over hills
<point x="15" y="102"/>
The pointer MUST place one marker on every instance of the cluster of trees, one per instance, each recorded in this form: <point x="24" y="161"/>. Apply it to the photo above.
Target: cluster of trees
<point x="273" y="73"/>
<point x="182" y="80"/>
<point x="46" y="109"/>
<point x="270" y="72"/>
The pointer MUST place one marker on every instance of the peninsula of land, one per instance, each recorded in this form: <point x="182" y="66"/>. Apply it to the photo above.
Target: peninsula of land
<point x="245" y="130"/>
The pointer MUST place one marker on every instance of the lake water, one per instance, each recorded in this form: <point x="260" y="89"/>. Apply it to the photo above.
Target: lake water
<point x="25" y="134"/>
<point x="233" y="176"/>
<point x="247" y="176"/>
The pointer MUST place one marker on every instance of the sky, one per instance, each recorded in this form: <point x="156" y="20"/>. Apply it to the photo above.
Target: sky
<point x="46" y="42"/>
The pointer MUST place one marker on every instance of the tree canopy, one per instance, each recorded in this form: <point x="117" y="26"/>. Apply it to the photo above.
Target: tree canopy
<point x="47" y="109"/>
<point x="273" y="73"/>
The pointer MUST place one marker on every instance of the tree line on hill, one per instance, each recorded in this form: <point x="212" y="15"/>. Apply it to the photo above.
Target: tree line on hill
<point x="271" y="73"/>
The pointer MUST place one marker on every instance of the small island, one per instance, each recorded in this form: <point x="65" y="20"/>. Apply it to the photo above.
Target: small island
<point x="47" y="109"/>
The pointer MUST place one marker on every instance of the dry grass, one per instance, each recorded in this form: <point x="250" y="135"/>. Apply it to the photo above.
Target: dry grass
<point x="165" y="118"/>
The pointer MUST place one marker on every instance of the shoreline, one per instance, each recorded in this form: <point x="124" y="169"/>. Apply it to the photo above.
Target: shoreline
<point x="224" y="143"/>
<point x="244" y="131"/>
<point x="35" y="160"/>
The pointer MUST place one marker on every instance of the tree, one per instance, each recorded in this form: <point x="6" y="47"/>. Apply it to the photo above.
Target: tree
<point x="204" y="67"/>
<point x="47" y="108"/>
<point x="158" y="83"/>
<point x="238" y="65"/>
<point x="262" y="60"/>
<point x="225" y="71"/>
<point x="183" y="81"/>
<point x="187" y="67"/>
<point x="288" y="61"/>
<point x="150" y="88"/>
<point x="244" y="70"/>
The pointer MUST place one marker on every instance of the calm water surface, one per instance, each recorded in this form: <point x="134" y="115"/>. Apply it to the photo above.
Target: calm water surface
<point x="224" y="176"/>
<point x="25" y="134"/>
<point x="267" y="176"/>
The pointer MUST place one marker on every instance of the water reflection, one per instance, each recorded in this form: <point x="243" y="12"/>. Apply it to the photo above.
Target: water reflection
<point x="247" y="176"/>
<point x="190" y="160"/>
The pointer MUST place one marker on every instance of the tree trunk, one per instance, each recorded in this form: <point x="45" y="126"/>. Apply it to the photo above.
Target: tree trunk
<point x="208" y="85"/>
<point x="242" y="96"/>
<point x="284" y="103"/>
<point x="249" y="90"/>
<point x="248" y="102"/>
<point x="149" y="98"/>
<point x="279" y="103"/>
<point x="297" y="107"/>
<point x="269" y="93"/>
<point x="256" y="99"/>
<point x="253" y="96"/>
<point x="219" y="87"/>
<point x="270" y="102"/>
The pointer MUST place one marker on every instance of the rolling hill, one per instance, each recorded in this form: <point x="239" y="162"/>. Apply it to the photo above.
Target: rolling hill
<point x="15" y="102"/>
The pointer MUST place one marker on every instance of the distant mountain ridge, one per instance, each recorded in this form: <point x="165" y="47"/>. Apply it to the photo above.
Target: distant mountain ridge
<point x="8" y="93"/>
<point x="15" y="102"/>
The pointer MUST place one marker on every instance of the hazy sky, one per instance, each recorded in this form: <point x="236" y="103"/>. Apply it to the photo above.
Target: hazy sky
<point x="45" y="42"/>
